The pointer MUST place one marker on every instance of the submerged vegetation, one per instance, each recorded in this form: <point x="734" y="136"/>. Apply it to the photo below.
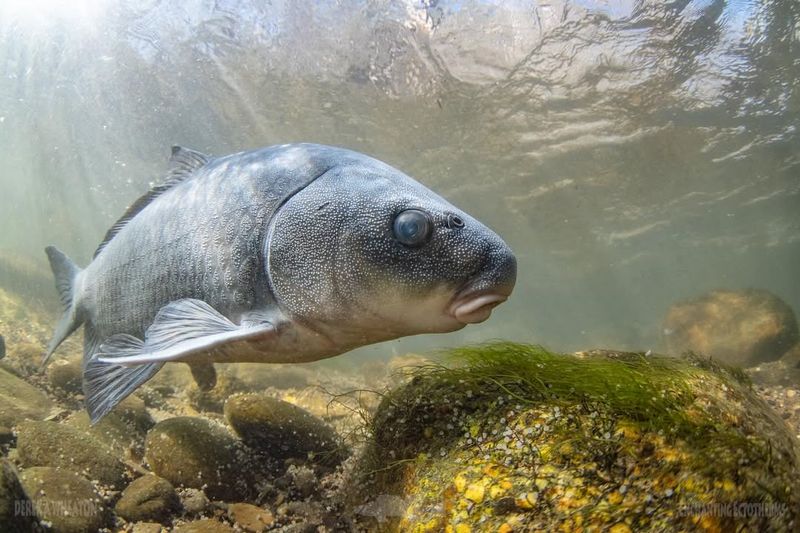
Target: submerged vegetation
<point x="513" y="436"/>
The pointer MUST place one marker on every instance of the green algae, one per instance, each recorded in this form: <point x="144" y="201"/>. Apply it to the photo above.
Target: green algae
<point x="693" y="429"/>
<point x="652" y="391"/>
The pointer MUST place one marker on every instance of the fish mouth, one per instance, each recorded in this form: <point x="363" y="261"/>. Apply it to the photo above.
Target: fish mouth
<point x="475" y="307"/>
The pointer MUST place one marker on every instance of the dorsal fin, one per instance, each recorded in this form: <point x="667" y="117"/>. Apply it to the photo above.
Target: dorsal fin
<point x="182" y="164"/>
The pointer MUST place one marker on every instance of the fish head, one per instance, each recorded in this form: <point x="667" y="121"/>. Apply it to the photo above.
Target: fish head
<point x="367" y="249"/>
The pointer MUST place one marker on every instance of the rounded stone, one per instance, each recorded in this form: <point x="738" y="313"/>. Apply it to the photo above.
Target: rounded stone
<point x="194" y="452"/>
<point x="148" y="498"/>
<point x="521" y="436"/>
<point x="17" y="514"/>
<point x="206" y="525"/>
<point x="44" y="443"/>
<point x="193" y="501"/>
<point x="250" y="518"/>
<point x="281" y="429"/>
<point x="20" y="401"/>
<point x="741" y="328"/>
<point x="64" y="499"/>
<point x="123" y="429"/>
<point x="146" y="527"/>
<point x="66" y="374"/>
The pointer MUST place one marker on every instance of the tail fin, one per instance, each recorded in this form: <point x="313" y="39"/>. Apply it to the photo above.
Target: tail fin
<point x="65" y="272"/>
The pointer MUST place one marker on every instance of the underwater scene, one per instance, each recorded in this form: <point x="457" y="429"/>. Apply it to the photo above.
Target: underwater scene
<point x="428" y="266"/>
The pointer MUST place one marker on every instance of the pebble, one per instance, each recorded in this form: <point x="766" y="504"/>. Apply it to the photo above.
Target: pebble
<point x="193" y="501"/>
<point x="66" y="374"/>
<point x="20" y="400"/>
<point x="205" y="525"/>
<point x="65" y="499"/>
<point x="148" y="498"/>
<point x="147" y="527"/>
<point x="12" y="496"/>
<point x="249" y="517"/>
<point x="281" y="429"/>
<point x="58" y="445"/>
<point x="194" y="452"/>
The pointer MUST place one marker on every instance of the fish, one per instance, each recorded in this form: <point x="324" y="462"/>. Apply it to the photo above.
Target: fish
<point x="285" y="254"/>
<point x="2" y="347"/>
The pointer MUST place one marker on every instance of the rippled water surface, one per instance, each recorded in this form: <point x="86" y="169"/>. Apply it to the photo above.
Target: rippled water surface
<point x="631" y="152"/>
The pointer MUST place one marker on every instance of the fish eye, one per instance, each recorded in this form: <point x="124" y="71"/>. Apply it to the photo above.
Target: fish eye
<point x="412" y="227"/>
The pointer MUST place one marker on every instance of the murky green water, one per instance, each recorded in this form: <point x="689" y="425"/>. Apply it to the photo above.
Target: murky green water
<point x="631" y="153"/>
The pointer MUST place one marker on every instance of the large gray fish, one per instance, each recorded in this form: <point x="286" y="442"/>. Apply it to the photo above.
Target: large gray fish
<point x="285" y="254"/>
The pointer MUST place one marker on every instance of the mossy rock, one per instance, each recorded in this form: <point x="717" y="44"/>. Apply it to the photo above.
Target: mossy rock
<point x="196" y="453"/>
<point x="516" y="438"/>
<point x="65" y="500"/>
<point x="20" y="400"/>
<point x="282" y="429"/>
<point x="148" y="498"/>
<point x="738" y="327"/>
<point x="17" y="514"/>
<point x="42" y="443"/>
<point x="123" y="429"/>
<point x="67" y="374"/>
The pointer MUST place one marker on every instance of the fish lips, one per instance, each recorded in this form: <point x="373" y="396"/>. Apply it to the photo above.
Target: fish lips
<point x="473" y="307"/>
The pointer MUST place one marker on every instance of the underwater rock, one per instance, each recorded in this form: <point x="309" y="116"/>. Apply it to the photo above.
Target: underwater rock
<point x="26" y="356"/>
<point x="775" y="373"/>
<point x="64" y="499"/>
<point x="66" y="374"/>
<point x="58" y="445"/>
<point x="20" y="401"/>
<point x="257" y="377"/>
<point x="16" y="510"/>
<point x="206" y="525"/>
<point x="250" y="517"/>
<point x="742" y="328"/>
<point x="123" y="429"/>
<point x="281" y="429"/>
<point x="196" y="453"/>
<point x="792" y="356"/>
<point x="146" y="527"/>
<point x="148" y="498"/>
<point x="193" y="501"/>
<point x="518" y="439"/>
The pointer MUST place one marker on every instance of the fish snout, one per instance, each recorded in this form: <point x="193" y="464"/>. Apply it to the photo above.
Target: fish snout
<point x="488" y="289"/>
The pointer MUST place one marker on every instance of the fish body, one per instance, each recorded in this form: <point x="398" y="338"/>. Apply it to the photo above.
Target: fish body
<point x="289" y="253"/>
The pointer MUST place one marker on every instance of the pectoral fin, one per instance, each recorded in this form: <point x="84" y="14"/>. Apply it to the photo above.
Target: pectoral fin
<point x="106" y="384"/>
<point x="181" y="329"/>
<point x="188" y="327"/>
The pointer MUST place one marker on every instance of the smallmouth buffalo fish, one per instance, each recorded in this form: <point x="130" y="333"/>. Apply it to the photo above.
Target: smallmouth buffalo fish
<point x="285" y="254"/>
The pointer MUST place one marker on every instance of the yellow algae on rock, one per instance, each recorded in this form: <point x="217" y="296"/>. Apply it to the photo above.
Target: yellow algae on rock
<point x="475" y="492"/>
<point x="620" y="528"/>
<point x="526" y="500"/>
<point x="460" y="482"/>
